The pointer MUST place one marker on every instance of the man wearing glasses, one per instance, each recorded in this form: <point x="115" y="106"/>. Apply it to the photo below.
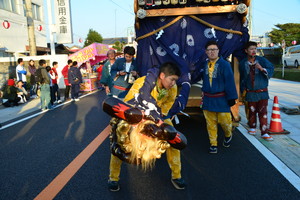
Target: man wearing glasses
<point x="219" y="94"/>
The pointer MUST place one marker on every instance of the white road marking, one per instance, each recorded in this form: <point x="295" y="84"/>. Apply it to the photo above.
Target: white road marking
<point x="293" y="178"/>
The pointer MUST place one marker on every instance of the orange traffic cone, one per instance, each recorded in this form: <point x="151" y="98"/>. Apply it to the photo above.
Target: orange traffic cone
<point x="275" y="124"/>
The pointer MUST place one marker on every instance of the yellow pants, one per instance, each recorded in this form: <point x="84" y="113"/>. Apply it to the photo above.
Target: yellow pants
<point x="243" y="98"/>
<point x="212" y="121"/>
<point x="173" y="158"/>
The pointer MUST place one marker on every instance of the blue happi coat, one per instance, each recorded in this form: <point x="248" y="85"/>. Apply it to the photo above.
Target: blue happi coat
<point x="120" y="65"/>
<point x="261" y="79"/>
<point x="222" y="81"/>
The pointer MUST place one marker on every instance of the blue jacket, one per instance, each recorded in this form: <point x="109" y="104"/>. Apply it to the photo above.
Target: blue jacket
<point x="74" y="76"/>
<point x="261" y="79"/>
<point x="222" y="81"/>
<point x="119" y="81"/>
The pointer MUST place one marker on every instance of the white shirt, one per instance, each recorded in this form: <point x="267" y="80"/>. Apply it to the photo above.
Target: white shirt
<point x="127" y="68"/>
<point x="23" y="76"/>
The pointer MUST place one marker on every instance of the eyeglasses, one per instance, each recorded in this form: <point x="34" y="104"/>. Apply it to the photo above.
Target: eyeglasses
<point x="212" y="50"/>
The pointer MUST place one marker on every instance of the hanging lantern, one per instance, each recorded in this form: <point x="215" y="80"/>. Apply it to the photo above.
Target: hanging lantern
<point x="39" y="27"/>
<point x="6" y="24"/>
<point x="80" y="40"/>
<point x="294" y="42"/>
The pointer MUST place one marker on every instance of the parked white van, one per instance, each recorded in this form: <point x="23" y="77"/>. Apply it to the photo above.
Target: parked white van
<point x="291" y="56"/>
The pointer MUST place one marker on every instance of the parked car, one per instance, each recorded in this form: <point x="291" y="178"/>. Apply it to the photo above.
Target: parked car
<point x="291" y="56"/>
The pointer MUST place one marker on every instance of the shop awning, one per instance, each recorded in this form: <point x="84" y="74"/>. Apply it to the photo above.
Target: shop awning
<point x="94" y="53"/>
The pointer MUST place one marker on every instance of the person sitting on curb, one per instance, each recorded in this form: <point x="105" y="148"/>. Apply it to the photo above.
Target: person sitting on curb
<point x="22" y="93"/>
<point x="10" y="94"/>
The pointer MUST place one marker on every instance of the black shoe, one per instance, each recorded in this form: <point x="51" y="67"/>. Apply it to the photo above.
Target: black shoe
<point x="113" y="186"/>
<point x="227" y="141"/>
<point x="178" y="183"/>
<point x="213" y="149"/>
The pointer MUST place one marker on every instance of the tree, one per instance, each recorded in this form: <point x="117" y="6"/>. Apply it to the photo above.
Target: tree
<point x="119" y="46"/>
<point x="92" y="36"/>
<point x="287" y="32"/>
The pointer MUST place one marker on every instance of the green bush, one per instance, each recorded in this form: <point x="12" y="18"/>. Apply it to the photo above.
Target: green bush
<point x="28" y="85"/>
<point x="289" y="74"/>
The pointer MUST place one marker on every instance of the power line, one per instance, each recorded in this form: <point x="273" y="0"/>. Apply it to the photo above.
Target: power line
<point x="121" y="7"/>
<point x="272" y="14"/>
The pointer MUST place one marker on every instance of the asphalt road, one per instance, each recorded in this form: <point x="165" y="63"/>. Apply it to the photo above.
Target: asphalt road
<point x="33" y="153"/>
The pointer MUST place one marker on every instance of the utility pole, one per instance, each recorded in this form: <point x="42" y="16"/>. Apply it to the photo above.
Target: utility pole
<point x="30" y="27"/>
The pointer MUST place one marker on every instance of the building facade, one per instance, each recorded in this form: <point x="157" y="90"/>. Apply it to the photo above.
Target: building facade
<point x="262" y="40"/>
<point x="13" y="28"/>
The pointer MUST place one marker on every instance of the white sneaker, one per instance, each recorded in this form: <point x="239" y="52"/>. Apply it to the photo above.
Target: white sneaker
<point x="77" y="99"/>
<point x="267" y="137"/>
<point x="59" y="101"/>
<point x="252" y="131"/>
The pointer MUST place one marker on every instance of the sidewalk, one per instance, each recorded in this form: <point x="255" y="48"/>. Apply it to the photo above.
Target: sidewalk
<point x="285" y="147"/>
<point x="9" y="113"/>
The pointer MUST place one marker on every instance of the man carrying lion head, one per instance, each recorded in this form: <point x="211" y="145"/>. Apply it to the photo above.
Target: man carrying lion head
<point x="138" y="126"/>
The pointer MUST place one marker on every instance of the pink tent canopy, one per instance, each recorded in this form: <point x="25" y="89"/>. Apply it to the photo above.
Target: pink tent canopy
<point x="94" y="53"/>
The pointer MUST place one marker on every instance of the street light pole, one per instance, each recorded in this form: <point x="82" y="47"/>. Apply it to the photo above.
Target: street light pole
<point x="30" y="27"/>
<point x="250" y="19"/>
<point x="50" y="27"/>
<point x="129" y="34"/>
<point x="115" y="23"/>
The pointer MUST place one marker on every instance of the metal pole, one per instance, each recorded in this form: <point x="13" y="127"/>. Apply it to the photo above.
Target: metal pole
<point x="283" y="45"/>
<point x="129" y="35"/>
<point x="30" y="27"/>
<point x="283" y="71"/>
<point x="115" y="23"/>
<point x="250" y="19"/>
<point x="50" y="27"/>
<point x="282" y="74"/>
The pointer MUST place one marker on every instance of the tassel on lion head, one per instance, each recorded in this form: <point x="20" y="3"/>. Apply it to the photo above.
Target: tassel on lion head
<point x="142" y="149"/>
<point x="135" y="138"/>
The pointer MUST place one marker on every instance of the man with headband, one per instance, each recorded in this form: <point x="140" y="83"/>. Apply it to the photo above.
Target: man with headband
<point x="255" y="72"/>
